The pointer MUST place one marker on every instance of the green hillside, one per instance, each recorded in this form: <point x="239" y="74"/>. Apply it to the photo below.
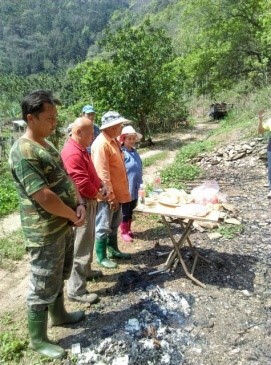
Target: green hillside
<point x="49" y="35"/>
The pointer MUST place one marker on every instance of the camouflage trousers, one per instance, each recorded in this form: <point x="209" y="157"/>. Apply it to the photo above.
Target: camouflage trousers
<point x="50" y="265"/>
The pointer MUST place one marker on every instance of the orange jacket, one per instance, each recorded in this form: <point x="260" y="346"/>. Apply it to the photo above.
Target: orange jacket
<point x="108" y="160"/>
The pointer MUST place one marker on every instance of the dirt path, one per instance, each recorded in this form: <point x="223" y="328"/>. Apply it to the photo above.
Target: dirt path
<point x="171" y="144"/>
<point x="9" y="224"/>
<point x="13" y="287"/>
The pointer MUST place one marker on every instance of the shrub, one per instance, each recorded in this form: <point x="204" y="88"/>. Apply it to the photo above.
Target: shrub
<point x="8" y="194"/>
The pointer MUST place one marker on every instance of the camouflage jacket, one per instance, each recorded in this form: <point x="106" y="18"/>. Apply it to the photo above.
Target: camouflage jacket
<point x="34" y="167"/>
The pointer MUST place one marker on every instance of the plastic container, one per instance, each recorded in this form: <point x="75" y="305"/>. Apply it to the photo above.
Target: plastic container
<point x="157" y="188"/>
<point x="141" y="194"/>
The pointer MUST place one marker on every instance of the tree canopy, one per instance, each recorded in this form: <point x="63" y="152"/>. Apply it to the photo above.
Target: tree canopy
<point x="137" y="75"/>
<point x="226" y="45"/>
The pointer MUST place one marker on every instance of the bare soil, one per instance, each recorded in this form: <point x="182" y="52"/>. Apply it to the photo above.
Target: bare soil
<point x="230" y="319"/>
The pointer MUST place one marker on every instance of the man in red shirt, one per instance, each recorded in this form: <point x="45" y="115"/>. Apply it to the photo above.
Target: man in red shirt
<point x="79" y="166"/>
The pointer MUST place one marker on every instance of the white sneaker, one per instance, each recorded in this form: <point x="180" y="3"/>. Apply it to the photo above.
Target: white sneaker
<point x="269" y="195"/>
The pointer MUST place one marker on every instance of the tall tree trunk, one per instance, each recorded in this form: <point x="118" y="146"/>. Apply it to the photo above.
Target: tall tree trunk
<point x="143" y="126"/>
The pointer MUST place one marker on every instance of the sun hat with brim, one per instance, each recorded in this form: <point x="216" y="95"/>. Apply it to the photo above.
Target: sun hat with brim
<point x="88" y="109"/>
<point x="111" y="118"/>
<point x="129" y="131"/>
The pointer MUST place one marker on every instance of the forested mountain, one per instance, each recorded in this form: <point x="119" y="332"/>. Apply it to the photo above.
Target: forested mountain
<point x="217" y="40"/>
<point x="145" y="58"/>
<point x="47" y="35"/>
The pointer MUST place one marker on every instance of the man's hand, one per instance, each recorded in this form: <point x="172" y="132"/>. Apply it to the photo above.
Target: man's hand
<point x="114" y="204"/>
<point x="100" y="196"/>
<point x="51" y="202"/>
<point x="104" y="191"/>
<point x="81" y="215"/>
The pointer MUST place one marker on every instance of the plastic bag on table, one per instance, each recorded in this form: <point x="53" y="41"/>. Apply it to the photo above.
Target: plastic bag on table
<point x="208" y="192"/>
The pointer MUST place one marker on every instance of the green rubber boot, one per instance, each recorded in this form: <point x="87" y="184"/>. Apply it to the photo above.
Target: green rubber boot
<point x="37" y="326"/>
<point x="60" y="316"/>
<point x="100" y="247"/>
<point x="113" y="251"/>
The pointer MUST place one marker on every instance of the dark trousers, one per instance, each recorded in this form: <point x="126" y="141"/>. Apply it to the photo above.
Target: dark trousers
<point x="127" y="210"/>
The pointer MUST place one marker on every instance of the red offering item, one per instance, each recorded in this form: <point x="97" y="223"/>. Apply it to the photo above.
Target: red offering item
<point x="206" y="193"/>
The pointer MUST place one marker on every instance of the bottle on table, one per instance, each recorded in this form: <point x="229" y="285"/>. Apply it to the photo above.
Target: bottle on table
<point x="141" y="194"/>
<point x="157" y="188"/>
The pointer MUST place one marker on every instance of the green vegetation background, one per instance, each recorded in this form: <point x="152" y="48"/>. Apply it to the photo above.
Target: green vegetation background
<point x="157" y="62"/>
<point x="145" y="58"/>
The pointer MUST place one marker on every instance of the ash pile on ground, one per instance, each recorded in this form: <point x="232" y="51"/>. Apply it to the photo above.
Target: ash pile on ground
<point x="157" y="334"/>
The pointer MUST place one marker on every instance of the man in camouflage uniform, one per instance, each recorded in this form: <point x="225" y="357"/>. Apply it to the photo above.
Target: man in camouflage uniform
<point x="49" y="206"/>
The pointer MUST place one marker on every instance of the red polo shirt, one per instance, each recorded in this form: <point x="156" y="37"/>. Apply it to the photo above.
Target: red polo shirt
<point x="79" y="166"/>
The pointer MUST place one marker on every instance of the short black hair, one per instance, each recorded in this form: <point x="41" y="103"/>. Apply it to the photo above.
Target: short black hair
<point x="33" y="103"/>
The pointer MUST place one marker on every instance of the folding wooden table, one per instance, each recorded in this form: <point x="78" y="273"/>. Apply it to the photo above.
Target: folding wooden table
<point x="181" y="214"/>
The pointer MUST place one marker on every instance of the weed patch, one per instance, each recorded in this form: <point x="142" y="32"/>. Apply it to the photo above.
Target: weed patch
<point x="8" y="194"/>
<point x="172" y="176"/>
<point x="11" y="347"/>
<point x="148" y="161"/>
<point x="193" y="149"/>
<point x="181" y="170"/>
<point x="11" y="248"/>
<point x="229" y="231"/>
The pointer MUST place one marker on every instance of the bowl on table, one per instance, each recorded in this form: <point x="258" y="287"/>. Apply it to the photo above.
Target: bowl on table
<point x="153" y="195"/>
<point x="149" y="201"/>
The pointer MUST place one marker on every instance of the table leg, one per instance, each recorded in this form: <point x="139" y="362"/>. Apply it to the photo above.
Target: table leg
<point x="176" y="251"/>
<point x="193" y="249"/>
<point x="173" y="253"/>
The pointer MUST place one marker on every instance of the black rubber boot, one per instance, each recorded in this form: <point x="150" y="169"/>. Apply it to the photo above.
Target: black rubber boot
<point x="37" y="326"/>
<point x="60" y="316"/>
<point x="113" y="251"/>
